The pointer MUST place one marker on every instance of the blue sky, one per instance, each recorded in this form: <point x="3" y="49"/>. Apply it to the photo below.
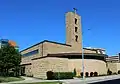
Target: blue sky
<point x="30" y="21"/>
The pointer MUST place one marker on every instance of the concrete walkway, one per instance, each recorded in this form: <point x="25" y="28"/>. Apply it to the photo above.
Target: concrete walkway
<point x="29" y="80"/>
<point x="68" y="81"/>
<point x="91" y="79"/>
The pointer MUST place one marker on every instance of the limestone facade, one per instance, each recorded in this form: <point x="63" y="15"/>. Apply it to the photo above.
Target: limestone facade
<point x="114" y="67"/>
<point x="73" y="30"/>
<point x="113" y="63"/>
<point x="41" y="66"/>
<point x="36" y="58"/>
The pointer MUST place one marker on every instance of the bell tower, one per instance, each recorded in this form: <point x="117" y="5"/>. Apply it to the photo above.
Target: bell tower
<point x="73" y="29"/>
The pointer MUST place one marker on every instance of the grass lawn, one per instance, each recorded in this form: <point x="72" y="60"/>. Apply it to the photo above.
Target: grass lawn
<point x="43" y="83"/>
<point x="10" y="79"/>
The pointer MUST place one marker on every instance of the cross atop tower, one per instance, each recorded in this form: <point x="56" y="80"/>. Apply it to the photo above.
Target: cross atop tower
<point x="75" y="10"/>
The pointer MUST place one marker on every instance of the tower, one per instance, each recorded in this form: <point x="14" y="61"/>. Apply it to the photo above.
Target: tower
<point x="73" y="30"/>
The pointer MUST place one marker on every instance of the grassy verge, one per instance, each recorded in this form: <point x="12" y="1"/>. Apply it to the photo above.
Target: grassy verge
<point x="43" y="83"/>
<point x="9" y="79"/>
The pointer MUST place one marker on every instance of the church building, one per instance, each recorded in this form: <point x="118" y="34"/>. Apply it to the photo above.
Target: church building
<point x="46" y="56"/>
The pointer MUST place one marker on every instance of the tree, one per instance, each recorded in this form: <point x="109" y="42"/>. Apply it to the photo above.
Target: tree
<point x="10" y="58"/>
<point x="74" y="72"/>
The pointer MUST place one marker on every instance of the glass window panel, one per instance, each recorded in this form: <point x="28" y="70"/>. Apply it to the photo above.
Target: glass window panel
<point x="31" y="53"/>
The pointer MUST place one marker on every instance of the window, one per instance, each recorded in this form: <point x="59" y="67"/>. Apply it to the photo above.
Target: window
<point x="75" y="21"/>
<point x="31" y="53"/>
<point x="76" y="29"/>
<point x="76" y="38"/>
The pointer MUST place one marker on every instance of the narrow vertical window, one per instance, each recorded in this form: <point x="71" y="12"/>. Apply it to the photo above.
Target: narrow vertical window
<point x="76" y="29"/>
<point x="76" y="38"/>
<point x="75" y="21"/>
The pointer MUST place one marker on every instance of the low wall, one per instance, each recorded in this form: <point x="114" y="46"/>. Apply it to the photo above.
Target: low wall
<point x="90" y="65"/>
<point x="41" y="66"/>
<point x="114" y="67"/>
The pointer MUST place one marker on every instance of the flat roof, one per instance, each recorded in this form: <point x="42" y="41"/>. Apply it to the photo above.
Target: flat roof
<point x="66" y="55"/>
<point x="61" y="54"/>
<point x="43" y="42"/>
<point x="94" y="49"/>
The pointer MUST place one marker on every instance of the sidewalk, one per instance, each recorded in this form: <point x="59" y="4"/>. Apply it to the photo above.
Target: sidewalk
<point x="68" y="81"/>
<point x="29" y="80"/>
<point x="92" y="79"/>
<point x="103" y="78"/>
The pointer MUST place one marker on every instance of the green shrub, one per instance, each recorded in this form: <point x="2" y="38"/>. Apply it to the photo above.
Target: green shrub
<point x="50" y="75"/>
<point x="118" y="71"/>
<point x="11" y="74"/>
<point x="63" y="75"/>
<point x="81" y="73"/>
<point x="91" y="74"/>
<point x="95" y="73"/>
<point x="74" y="72"/>
<point x="86" y="74"/>
<point x="109" y="72"/>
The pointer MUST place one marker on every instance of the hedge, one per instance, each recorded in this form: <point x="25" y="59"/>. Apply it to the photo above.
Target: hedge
<point x="59" y="75"/>
<point x="63" y="75"/>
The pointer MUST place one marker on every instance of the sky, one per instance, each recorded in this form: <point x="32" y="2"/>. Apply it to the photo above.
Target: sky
<point x="28" y="22"/>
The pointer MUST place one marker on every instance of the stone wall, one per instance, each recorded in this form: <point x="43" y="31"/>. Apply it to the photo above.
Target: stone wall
<point x="41" y="66"/>
<point x="118" y="67"/>
<point x="28" y="70"/>
<point x="52" y="48"/>
<point x="114" y="67"/>
<point x="90" y="65"/>
<point x="26" y="60"/>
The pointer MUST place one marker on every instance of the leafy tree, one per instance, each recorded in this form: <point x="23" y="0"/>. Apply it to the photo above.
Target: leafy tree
<point x="9" y="59"/>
